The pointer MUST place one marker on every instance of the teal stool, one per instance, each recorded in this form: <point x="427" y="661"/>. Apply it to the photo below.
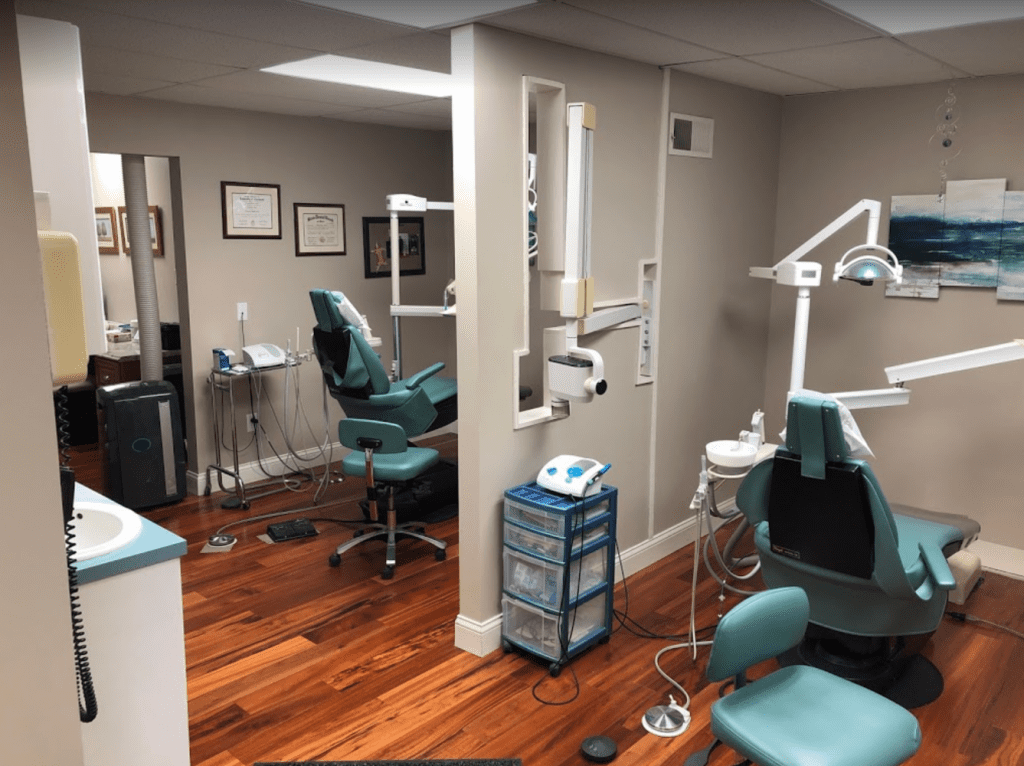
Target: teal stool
<point x="382" y="454"/>
<point x="799" y="715"/>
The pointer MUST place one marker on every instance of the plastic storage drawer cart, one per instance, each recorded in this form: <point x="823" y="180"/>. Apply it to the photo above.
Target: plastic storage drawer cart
<point x="559" y="572"/>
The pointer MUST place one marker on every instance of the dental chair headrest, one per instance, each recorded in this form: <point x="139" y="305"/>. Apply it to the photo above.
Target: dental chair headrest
<point x="821" y="429"/>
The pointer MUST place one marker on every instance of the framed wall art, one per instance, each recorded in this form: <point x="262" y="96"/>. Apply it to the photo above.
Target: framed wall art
<point x="106" y="231"/>
<point x="377" y="248"/>
<point x="156" y="231"/>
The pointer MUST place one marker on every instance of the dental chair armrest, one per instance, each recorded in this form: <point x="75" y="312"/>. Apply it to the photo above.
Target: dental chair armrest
<point x="414" y="381"/>
<point x="938" y="568"/>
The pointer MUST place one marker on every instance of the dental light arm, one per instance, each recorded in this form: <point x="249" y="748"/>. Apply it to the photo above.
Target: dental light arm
<point x="877" y="263"/>
<point x="964" y="360"/>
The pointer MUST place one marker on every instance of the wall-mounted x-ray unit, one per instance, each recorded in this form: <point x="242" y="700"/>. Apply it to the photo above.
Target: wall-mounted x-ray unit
<point x="561" y="248"/>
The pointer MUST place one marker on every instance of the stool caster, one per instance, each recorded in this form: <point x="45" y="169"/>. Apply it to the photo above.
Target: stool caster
<point x="388" y="573"/>
<point x="440" y="554"/>
<point x="334" y="560"/>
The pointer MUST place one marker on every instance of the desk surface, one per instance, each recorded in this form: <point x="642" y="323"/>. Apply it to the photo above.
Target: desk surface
<point x="127" y="351"/>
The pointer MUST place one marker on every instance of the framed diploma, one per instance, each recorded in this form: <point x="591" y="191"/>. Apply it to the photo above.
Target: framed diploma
<point x="250" y="211"/>
<point x="319" y="229"/>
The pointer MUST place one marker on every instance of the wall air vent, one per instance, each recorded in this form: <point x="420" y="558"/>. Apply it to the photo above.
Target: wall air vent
<point x="690" y="136"/>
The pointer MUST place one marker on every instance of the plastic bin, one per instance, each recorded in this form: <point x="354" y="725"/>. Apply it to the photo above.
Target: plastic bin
<point x="551" y="521"/>
<point x="542" y="632"/>
<point x="541" y="581"/>
<point x="552" y="548"/>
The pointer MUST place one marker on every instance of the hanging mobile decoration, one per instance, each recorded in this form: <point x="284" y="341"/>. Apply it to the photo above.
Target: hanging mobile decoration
<point x="944" y="142"/>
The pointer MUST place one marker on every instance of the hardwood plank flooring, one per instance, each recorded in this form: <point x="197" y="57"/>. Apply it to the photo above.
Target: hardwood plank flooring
<point x="290" y="659"/>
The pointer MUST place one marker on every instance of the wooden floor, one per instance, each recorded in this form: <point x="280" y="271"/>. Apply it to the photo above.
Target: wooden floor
<point x="290" y="659"/>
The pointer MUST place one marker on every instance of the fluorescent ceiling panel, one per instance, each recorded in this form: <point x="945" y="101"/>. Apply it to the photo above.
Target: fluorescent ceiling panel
<point x="424" y="14"/>
<point x="367" y="74"/>
<point x="924" y="15"/>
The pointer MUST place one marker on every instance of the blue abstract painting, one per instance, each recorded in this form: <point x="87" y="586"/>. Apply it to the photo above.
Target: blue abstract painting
<point x="973" y="236"/>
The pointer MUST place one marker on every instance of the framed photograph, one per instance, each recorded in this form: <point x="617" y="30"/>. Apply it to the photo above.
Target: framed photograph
<point x="106" y="231"/>
<point x="377" y="247"/>
<point x="156" y="230"/>
<point x="319" y="229"/>
<point x="250" y="211"/>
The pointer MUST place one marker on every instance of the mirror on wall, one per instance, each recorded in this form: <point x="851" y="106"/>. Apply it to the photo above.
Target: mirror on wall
<point x="114" y="247"/>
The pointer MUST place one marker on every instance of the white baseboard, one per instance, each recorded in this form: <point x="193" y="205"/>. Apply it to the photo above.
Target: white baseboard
<point x="481" y="638"/>
<point x="251" y="473"/>
<point x="1000" y="559"/>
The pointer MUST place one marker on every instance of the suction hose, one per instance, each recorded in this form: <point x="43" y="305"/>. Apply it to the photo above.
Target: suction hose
<point x="133" y="170"/>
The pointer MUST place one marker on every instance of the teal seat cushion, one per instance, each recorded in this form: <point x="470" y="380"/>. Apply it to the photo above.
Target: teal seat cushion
<point x="399" y="466"/>
<point x="803" y="716"/>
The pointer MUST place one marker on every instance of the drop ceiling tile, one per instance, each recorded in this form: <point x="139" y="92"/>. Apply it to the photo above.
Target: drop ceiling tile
<point x="113" y="30"/>
<point x="741" y="72"/>
<point x="196" y="94"/>
<point x="279" y="21"/>
<point x="864" y="64"/>
<point x="110" y="61"/>
<point x="264" y="83"/>
<point x="583" y="29"/>
<point x="434" y="107"/>
<point x="982" y="49"/>
<point x="421" y="50"/>
<point x="739" y="27"/>
<point x="394" y="118"/>
<point x="120" y="85"/>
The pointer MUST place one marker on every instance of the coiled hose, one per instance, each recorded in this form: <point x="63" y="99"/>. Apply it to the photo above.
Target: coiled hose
<point x="87" y="707"/>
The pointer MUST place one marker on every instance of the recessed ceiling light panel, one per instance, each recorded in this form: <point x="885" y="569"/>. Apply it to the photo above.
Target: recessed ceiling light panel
<point x="367" y="74"/>
<point x="926" y="15"/>
<point x="424" y="14"/>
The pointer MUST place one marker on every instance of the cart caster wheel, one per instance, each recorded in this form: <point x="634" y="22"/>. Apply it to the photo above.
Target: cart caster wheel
<point x="506" y="647"/>
<point x="440" y="554"/>
<point x="334" y="560"/>
<point x="555" y="670"/>
<point x="604" y="639"/>
<point x="388" y="573"/>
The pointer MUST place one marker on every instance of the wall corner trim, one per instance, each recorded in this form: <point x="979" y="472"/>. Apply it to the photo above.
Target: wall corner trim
<point x="479" y="638"/>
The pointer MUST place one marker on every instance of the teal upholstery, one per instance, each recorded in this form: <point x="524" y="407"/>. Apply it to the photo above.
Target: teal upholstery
<point x="356" y="378"/>
<point x="382" y="455"/>
<point x="906" y="591"/>
<point x="393" y="461"/>
<point x="799" y="715"/>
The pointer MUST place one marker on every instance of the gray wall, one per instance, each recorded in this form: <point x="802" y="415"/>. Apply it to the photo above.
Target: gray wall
<point x="313" y="160"/>
<point x="39" y="723"/>
<point x="704" y="203"/>
<point x="956" y="446"/>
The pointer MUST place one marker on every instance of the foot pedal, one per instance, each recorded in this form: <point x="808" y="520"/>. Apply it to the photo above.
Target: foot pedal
<point x="291" y="530"/>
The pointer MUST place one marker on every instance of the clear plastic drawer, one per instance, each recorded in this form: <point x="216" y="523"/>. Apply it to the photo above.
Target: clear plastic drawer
<point x="542" y="632"/>
<point x="552" y="548"/>
<point x="541" y="581"/>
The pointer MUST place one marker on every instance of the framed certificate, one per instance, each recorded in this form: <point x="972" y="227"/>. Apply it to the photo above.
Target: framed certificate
<point x="250" y="211"/>
<point x="319" y="229"/>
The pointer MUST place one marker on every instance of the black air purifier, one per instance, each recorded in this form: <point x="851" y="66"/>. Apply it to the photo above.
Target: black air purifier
<point x="143" y="445"/>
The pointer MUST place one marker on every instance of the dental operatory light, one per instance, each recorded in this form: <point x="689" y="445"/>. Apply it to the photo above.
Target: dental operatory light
<point x="367" y="74"/>
<point x="873" y="262"/>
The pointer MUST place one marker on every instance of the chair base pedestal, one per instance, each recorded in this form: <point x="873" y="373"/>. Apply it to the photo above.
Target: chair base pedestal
<point x="908" y="679"/>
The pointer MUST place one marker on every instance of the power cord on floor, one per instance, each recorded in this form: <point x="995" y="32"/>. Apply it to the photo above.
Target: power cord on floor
<point x="964" y="617"/>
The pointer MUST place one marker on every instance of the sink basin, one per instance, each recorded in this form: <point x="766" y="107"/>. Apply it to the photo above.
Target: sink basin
<point x="102" y="528"/>
<point x="731" y="454"/>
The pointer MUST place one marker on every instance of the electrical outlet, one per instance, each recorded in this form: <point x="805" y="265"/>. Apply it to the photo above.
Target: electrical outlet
<point x="243" y="312"/>
<point x="250" y="423"/>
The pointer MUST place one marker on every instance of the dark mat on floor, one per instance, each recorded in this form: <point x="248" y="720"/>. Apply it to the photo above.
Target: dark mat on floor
<point x="470" y="762"/>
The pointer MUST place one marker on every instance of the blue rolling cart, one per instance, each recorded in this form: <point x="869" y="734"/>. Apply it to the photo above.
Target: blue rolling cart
<point x="559" y="572"/>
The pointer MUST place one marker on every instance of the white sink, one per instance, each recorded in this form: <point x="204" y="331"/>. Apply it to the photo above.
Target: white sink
<point x="102" y="528"/>
<point x="731" y="454"/>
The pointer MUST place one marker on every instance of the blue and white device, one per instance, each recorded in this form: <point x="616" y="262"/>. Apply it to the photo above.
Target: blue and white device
<point x="572" y="475"/>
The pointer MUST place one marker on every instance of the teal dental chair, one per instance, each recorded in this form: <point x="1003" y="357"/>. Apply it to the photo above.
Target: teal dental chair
<point x="356" y="378"/>
<point x="380" y="453"/>
<point x="877" y="582"/>
<point x="797" y="715"/>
